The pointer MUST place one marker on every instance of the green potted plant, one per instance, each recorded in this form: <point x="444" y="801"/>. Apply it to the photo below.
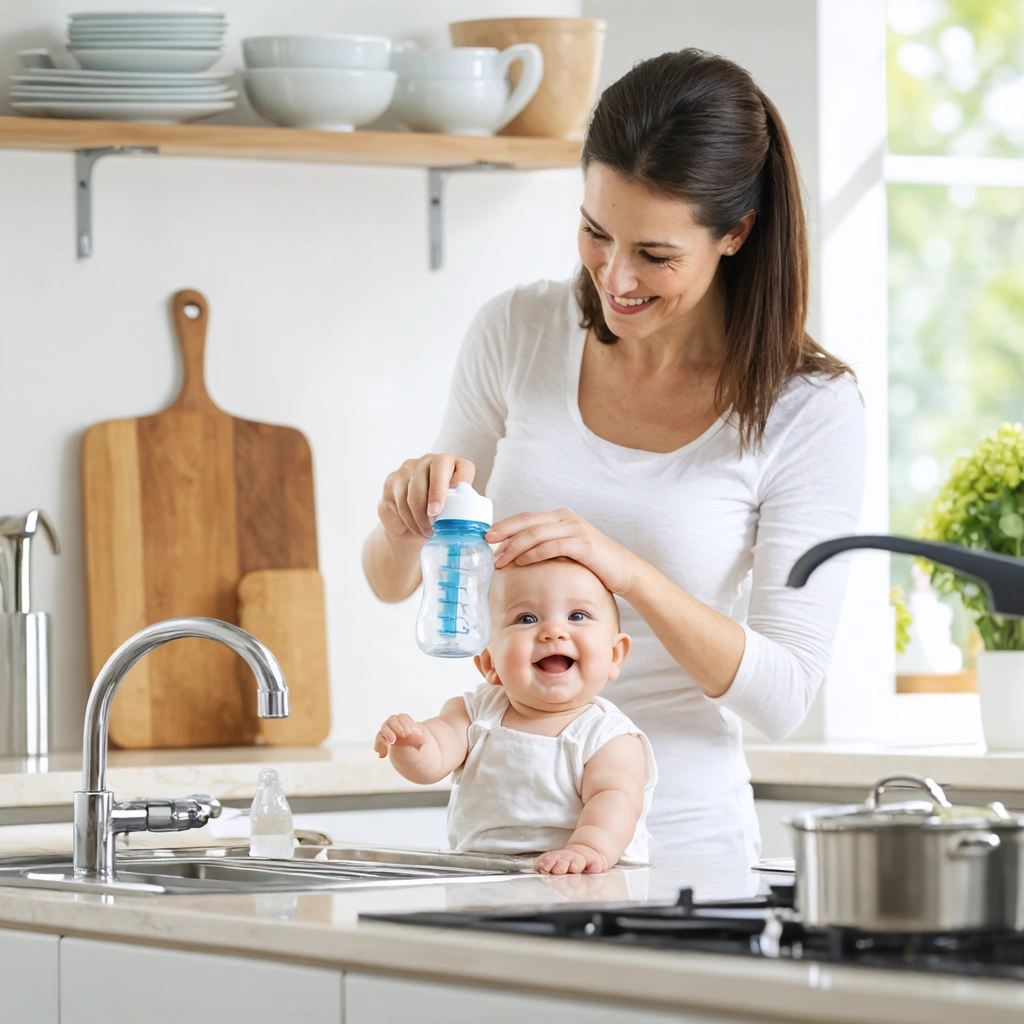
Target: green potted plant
<point x="981" y="506"/>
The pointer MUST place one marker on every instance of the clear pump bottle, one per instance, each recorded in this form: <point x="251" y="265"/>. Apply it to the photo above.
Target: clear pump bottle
<point x="271" y="832"/>
<point x="454" y="619"/>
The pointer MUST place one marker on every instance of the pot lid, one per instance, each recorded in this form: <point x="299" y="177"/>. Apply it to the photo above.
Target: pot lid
<point x="934" y="811"/>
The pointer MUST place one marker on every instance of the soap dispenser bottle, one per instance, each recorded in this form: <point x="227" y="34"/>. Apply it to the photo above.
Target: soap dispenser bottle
<point x="271" y="830"/>
<point x="24" y="640"/>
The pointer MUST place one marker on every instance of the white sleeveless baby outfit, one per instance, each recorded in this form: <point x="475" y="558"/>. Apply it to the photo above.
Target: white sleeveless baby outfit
<point x="520" y="793"/>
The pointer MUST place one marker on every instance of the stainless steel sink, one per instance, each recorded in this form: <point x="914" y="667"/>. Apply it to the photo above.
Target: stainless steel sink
<point x="231" y="870"/>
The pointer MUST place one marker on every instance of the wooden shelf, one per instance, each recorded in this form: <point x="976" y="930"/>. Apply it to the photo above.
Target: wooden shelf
<point x="395" y="149"/>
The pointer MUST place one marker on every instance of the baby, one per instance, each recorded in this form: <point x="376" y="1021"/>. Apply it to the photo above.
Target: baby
<point x="540" y="761"/>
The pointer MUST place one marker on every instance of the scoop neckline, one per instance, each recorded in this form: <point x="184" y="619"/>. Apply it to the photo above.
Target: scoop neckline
<point x="539" y="735"/>
<point x="574" y="369"/>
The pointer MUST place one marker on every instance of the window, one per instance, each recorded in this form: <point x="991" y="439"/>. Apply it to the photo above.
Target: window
<point x="955" y="183"/>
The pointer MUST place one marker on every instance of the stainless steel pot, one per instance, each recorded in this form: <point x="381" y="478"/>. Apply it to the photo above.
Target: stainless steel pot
<point x="918" y="866"/>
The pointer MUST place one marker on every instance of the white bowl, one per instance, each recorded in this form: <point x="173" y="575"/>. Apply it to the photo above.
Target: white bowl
<point x="144" y="60"/>
<point x="327" y="99"/>
<point x="369" y="53"/>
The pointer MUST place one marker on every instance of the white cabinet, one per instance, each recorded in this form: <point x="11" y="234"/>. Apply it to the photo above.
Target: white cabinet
<point x="102" y="982"/>
<point x="29" y="964"/>
<point x="371" y="999"/>
<point x="775" y="837"/>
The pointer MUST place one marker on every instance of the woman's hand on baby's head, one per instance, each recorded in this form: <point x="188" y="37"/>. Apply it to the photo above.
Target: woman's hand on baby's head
<point x="399" y="731"/>
<point x="572" y="860"/>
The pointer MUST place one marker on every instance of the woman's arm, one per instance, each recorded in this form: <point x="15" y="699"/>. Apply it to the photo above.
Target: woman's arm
<point x="768" y="670"/>
<point x="613" y="800"/>
<point x="474" y="421"/>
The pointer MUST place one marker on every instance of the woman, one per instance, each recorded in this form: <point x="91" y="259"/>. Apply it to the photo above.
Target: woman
<point x="673" y="401"/>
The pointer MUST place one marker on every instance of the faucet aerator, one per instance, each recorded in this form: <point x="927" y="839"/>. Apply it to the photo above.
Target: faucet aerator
<point x="273" y="704"/>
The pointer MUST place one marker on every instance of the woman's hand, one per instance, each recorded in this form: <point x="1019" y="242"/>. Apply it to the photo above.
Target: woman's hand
<point x="535" y="536"/>
<point x="416" y="492"/>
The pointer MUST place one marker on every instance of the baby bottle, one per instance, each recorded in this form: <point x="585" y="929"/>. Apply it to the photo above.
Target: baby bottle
<point x="454" y="620"/>
<point x="270" y="821"/>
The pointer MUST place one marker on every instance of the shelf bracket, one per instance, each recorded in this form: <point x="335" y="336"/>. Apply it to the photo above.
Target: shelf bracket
<point x="438" y="178"/>
<point x="84" y="161"/>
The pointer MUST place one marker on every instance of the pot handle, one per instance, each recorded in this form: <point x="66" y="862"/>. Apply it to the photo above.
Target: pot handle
<point x="529" y="79"/>
<point x="975" y="846"/>
<point x="920" y="781"/>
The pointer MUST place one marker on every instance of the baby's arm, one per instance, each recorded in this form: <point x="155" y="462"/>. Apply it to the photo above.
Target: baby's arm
<point x="613" y="800"/>
<point x="426" y="752"/>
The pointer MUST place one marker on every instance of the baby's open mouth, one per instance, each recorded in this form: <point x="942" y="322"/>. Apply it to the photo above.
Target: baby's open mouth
<point x="555" y="664"/>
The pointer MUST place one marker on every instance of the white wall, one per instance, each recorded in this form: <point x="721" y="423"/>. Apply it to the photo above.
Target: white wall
<point x="324" y="315"/>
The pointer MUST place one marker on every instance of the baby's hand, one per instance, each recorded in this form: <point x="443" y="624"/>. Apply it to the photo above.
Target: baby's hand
<point x="572" y="860"/>
<point x="399" y="731"/>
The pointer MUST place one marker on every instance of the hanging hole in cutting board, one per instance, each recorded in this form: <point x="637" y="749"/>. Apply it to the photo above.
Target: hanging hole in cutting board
<point x="191" y="310"/>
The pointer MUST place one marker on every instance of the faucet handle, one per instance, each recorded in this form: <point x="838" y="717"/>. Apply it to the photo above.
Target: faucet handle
<point x="209" y="805"/>
<point x="165" y="815"/>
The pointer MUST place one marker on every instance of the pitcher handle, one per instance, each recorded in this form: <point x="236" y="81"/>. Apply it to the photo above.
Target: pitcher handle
<point x="529" y="81"/>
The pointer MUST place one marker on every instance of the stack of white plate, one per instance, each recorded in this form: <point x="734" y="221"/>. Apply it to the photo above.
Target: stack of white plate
<point x="182" y="40"/>
<point x="135" y="67"/>
<point x="166" y="98"/>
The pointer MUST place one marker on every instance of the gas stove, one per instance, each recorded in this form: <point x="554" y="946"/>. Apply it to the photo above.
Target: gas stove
<point x="765" y="926"/>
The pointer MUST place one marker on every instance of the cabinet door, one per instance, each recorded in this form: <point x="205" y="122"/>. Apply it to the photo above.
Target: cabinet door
<point x="28" y="977"/>
<point x="102" y="982"/>
<point x="371" y="999"/>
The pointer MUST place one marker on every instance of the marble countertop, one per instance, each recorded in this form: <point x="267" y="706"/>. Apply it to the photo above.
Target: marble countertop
<point x="861" y="765"/>
<point x="352" y="769"/>
<point x="324" y="930"/>
<point x="229" y="773"/>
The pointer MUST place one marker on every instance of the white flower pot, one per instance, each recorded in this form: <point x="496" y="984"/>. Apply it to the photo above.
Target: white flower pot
<point x="1001" y="693"/>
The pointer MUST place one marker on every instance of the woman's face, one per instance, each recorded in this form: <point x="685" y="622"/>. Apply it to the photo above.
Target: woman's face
<point x="650" y="261"/>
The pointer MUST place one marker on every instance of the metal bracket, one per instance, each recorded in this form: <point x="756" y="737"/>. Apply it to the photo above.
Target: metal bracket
<point x="84" y="160"/>
<point x="438" y="176"/>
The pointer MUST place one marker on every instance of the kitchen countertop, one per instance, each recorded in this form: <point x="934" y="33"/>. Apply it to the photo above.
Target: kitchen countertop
<point x="229" y="773"/>
<point x="323" y="930"/>
<point x="966" y="766"/>
<point x="352" y="769"/>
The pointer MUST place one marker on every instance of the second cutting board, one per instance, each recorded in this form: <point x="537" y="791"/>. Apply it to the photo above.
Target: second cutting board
<point x="177" y="507"/>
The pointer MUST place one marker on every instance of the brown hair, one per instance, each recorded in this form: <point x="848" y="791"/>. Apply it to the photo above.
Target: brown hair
<point x="695" y="126"/>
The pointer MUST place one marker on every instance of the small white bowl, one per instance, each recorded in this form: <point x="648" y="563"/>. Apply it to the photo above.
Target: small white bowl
<point x="367" y="53"/>
<point x="325" y="99"/>
<point x="129" y="59"/>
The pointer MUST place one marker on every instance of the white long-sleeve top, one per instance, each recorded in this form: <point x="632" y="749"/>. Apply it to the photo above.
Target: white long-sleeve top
<point x="707" y="517"/>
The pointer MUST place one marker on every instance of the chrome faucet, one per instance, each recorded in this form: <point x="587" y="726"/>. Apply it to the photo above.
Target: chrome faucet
<point x="97" y="818"/>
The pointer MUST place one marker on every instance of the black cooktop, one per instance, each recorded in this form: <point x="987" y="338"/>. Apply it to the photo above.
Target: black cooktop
<point x="762" y="926"/>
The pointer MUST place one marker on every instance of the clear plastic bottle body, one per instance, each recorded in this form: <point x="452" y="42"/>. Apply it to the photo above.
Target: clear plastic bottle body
<point x="271" y="830"/>
<point x="454" y="619"/>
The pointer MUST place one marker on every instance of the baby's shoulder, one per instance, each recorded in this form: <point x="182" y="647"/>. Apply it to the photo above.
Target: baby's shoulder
<point x="485" y="702"/>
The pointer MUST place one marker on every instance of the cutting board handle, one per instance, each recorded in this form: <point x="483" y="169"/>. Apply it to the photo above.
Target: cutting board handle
<point x="191" y="328"/>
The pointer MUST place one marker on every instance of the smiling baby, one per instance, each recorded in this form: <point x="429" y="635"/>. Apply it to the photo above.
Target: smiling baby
<point x="540" y="763"/>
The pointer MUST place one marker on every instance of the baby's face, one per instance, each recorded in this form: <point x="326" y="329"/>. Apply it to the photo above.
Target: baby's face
<point x="555" y="635"/>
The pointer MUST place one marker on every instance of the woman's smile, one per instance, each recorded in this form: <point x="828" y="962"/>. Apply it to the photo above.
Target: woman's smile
<point x="626" y="306"/>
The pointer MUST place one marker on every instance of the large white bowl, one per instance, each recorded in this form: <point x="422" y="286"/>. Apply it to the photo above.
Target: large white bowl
<point x="368" y="53"/>
<point x="327" y="99"/>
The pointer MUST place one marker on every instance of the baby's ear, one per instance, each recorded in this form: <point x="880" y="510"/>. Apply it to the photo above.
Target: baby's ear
<point x="620" y="650"/>
<point x="485" y="666"/>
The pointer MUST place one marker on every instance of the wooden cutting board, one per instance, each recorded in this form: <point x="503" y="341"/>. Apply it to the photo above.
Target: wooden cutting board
<point x="178" y="506"/>
<point x="285" y="609"/>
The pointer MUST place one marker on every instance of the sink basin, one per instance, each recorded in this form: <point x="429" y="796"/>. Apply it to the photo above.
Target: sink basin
<point x="232" y="870"/>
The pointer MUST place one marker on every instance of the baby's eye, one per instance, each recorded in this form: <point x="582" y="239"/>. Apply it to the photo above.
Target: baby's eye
<point x="578" y="616"/>
<point x="527" y="619"/>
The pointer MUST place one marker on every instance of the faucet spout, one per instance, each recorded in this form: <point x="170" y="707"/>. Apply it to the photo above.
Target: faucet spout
<point x="1000" y="576"/>
<point x="96" y="816"/>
